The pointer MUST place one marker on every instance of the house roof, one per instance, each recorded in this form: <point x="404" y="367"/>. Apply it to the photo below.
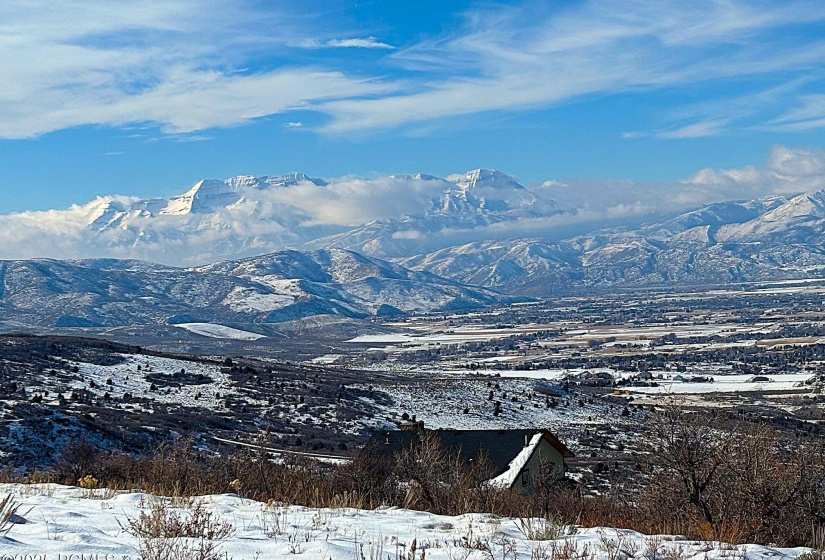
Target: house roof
<point x="500" y="446"/>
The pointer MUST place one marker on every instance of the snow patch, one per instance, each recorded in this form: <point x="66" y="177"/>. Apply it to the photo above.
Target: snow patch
<point x="219" y="331"/>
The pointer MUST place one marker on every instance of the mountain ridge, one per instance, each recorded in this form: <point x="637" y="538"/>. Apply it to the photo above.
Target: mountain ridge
<point x="767" y="239"/>
<point x="253" y="292"/>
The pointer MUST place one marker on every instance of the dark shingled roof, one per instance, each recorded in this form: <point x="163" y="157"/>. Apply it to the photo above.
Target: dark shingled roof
<point x="500" y="446"/>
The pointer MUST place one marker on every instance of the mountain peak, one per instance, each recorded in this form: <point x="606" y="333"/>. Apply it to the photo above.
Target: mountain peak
<point x="204" y="196"/>
<point x="288" y="180"/>
<point x="806" y="205"/>
<point x="485" y="178"/>
<point x="102" y="210"/>
<point x="209" y="194"/>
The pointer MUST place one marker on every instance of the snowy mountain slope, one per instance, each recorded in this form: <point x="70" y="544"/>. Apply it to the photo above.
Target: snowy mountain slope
<point x="268" y="289"/>
<point x="799" y="220"/>
<point x="370" y="286"/>
<point x="481" y="228"/>
<point x="768" y="239"/>
<point x="526" y="266"/>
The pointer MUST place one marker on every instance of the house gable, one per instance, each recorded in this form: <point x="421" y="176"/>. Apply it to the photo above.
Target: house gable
<point x="505" y="450"/>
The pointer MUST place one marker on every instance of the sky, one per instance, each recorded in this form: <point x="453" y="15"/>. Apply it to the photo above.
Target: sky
<point x="145" y="98"/>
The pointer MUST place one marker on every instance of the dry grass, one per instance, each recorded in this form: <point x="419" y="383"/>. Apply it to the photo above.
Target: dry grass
<point x="8" y="512"/>
<point x="164" y="533"/>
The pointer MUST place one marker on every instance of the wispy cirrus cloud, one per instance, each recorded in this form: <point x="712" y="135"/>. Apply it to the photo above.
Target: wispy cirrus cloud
<point x="366" y="43"/>
<point x="510" y="58"/>
<point x="752" y="111"/>
<point x="808" y="115"/>
<point x="179" y="64"/>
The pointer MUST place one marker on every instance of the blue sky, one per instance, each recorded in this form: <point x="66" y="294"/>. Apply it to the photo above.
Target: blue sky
<point x="146" y="98"/>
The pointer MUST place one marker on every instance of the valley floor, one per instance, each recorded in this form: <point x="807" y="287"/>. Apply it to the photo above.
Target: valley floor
<point x="67" y="522"/>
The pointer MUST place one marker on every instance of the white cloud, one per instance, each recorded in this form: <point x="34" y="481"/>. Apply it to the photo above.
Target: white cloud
<point x="695" y="130"/>
<point x="353" y="201"/>
<point x="408" y="234"/>
<point x="787" y="171"/>
<point x="367" y="43"/>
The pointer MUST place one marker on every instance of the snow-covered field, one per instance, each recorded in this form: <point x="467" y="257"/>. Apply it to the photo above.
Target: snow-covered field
<point x="67" y="522"/>
<point x="219" y="331"/>
<point x="724" y="384"/>
<point x="667" y="385"/>
<point x="428" y="334"/>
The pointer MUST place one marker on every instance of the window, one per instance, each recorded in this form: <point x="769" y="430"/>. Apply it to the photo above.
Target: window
<point x="525" y="477"/>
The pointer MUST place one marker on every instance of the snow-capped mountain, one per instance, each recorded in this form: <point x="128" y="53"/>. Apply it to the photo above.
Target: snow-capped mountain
<point x="482" y="203"/>
<point x="769" y="239"/>
<point x="482" y="227"/>
<point x="397" y="215"/>
<point x="526" y="266"/>
<point x="210" y="195"/>
<point x="256" y="291"/>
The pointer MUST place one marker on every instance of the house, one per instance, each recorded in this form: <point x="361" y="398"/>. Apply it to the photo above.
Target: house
<point x="519" y="458"/>
<point x="593" y="379"/>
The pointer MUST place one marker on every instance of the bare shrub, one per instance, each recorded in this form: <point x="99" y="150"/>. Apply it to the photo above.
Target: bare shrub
<point x="367" y="481"/>
<point x="165" y="534"/>
<point x="740" y="483"/>
<point x="439" y="480"/>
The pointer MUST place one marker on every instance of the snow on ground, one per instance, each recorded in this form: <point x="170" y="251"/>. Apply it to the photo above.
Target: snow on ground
<point x="429" y="334"/>
<point x="327" y="359"/>
<point x="249" y="300"/>
<point x="67" y="522"/>
<point x="529" y="373"/>
<point x="667" y="385"/>
<point x="127" y="378"/>
<point x="723" y="384"/>
<point x="637" y="332"/>
<point x="219" y="331"/>
<point x="441" y="403"/>
<point x="389" y="338"/>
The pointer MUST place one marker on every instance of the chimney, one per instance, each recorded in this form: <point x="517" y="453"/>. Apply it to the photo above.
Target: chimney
<point x="412" y="425"/>
<point x="526" y="440"/>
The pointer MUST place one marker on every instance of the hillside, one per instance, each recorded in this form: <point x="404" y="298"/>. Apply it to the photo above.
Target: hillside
<point x="249" y="293"/>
